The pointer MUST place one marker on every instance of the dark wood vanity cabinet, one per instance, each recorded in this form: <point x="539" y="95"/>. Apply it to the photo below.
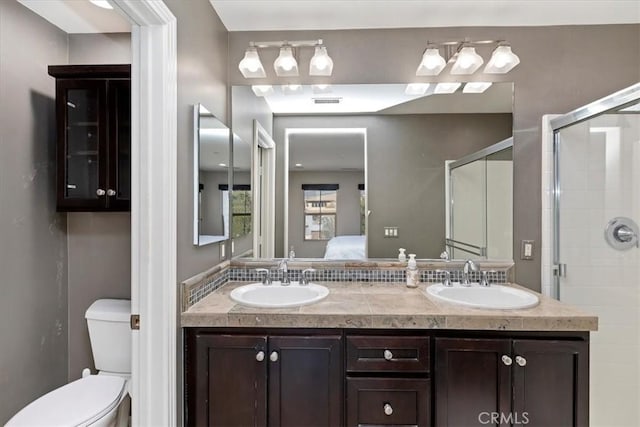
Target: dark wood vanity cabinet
<point x="260" y="380"/>
<point x="517" y="381"/>
<point x="93" y="119"/>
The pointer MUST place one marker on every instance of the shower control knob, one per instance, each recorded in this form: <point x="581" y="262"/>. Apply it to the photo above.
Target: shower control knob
<point x="507" y="360"/>
<point x="388" y="355"/>
<point x="260" y="356"/>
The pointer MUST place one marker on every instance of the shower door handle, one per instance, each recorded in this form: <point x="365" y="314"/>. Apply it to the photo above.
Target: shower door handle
<point x="560" y="270"/>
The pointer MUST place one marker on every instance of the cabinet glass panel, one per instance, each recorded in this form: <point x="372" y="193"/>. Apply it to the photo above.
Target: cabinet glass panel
<point x="123" y="130"/>
<point x="82" y="160"/>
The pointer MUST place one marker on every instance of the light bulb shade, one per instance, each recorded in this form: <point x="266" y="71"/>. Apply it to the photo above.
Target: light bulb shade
<point x="446" y="87"/>
<point x="285" y="64"/>
<point x="416" y="88"/>
<point x="476" y="87"/>
<point x="432" y="63"/>
<point x="321" y="64"/>
<point x="502" y="61"/>
<point x="262" y="90"/>
<point x="468" y="61"/>
<point x="250" y="66"/>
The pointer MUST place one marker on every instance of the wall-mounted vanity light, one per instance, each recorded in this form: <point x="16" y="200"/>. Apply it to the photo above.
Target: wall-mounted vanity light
<point x="286" y="64"/>
<point x="465" y="59"/>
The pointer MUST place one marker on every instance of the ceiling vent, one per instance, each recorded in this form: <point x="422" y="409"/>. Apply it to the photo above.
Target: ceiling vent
<point x="327" y="100"/>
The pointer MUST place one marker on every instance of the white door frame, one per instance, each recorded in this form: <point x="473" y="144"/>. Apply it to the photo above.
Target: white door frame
<point x="153" y="211"/>
<point x="263" y="178"/>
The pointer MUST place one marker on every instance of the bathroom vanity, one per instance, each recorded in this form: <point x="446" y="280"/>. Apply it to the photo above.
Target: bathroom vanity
<point x="382" y="354"/>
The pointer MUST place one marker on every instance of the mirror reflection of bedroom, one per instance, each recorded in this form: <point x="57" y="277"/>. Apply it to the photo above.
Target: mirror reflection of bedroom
<point x="326" y="193"/>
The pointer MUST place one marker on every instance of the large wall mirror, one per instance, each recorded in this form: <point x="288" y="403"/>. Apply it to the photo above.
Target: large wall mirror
<point x="210" y="178"/>
<point x="395" y="196"/>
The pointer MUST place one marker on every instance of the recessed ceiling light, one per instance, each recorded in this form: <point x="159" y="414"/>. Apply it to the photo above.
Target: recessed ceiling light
<point x="446" y="87"/>
<point x="416" y="88"/>
<point x="102" y="3"/>
<point x="476" y="87"/>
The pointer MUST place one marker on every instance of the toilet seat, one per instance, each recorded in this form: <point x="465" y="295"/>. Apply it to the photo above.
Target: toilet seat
<point x="79" y="403"/>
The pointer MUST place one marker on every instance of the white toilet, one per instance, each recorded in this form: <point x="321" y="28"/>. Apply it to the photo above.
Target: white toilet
<point x="94" y="400"/>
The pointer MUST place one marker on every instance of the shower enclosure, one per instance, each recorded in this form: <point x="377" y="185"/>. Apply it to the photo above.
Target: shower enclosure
<point x="593" y="256"/>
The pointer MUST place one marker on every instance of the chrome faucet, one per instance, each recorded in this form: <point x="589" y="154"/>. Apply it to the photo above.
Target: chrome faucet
<point x="266" y="278"/>
<point x="283" y="266"/>
<point x="304" y="279"/>
<point x="469" y="265"/>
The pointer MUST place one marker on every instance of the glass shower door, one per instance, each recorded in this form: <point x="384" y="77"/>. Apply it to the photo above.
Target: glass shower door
<point x="597" y="170"/>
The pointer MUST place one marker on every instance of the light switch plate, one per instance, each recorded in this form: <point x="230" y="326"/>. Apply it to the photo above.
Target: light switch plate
<point x="526" y="249"/>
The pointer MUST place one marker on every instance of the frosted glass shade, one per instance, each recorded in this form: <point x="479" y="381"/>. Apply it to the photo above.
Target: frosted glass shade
<point x="321" y="64"/>
<point x="468" y="61"/>
<point x="432" y="63"/>
<point x="250" y="66"/>
<point x="285" y="64"/>
<point x="502" y="61"/>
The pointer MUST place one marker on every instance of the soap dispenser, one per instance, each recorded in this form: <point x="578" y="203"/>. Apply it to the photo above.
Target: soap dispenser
<point x="292" y="254"/>
<point x="413" y="277"/>
<point x="401" y="256"/>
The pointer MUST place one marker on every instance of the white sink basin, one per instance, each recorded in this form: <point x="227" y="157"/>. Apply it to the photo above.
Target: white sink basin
<point x="492" y="297"/>
<point x="278" y="296"/>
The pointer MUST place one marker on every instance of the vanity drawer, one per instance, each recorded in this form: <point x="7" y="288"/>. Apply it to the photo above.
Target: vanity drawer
<point x="387" y="354"/>
<point x="388" y="401"/>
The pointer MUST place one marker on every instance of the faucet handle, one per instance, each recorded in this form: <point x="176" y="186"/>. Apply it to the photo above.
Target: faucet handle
<point x="304" y="278"/>
<point x="485" y="275"/>
<point x="447" y="276"/>
<point x="266" y="278"/>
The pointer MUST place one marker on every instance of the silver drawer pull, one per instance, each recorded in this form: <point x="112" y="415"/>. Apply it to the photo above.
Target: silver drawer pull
<point x="100" y="192"/>
<point x="388" y="410"/>
<point x="507" y="360"/>
<point x="111" y="192"/>
<point x="260" y="356"/>
<point x="274" y="356"/>
<point x="388" y="355"/>
<point x="521" y="361"/>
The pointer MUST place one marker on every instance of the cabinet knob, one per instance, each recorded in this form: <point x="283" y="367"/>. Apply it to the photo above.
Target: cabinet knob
<point x="388" y="410"/>
<point x="100" y="192"/>
<point x="260" y="356"/>
<point x="507" y="360"/>
<point x="111" y="192"/>
<point x="273" y="356"/>
<point x="521" y="361"/>
<point x="388" y="355"/>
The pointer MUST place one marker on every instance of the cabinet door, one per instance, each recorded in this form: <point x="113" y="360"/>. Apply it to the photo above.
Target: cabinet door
<point x="119" y="174"/>
<point x="551" y="382"/>
<point x="472" y="381"/>
<point x="82" y="144"/>
<point x="305" y="381"/>
<point x="227" y="381"/>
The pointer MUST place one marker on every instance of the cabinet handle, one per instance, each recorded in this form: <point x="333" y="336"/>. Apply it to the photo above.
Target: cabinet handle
<point x="388" y="410"/>
<point x="260" y="356"/>
<point x="521" y="361"/>
<point x="100" y="192"/>
<point x="274" y="356"/>
<point x="388" y="355"/>
<point x="507" y="360"/>
<point x="111" y="192"/>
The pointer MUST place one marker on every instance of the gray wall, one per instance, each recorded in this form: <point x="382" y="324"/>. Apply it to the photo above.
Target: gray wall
<point x="99" y="243"/>
<point x="561" y="68"/>
<point x="33" y="244"/>
<point x="405" y="168"/>
<point x="347" y="216"/>
<point x="211" y="208"/>
<point x="202" y="78"/>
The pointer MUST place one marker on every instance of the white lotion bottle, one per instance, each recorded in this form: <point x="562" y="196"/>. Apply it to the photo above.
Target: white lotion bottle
<point x="413" y="276"/>
<point x="401" y="256"/>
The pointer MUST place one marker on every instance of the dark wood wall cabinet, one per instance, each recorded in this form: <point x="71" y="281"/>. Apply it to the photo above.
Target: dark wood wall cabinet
<point x="93" y="119"/>
<point x="358" y="377"/>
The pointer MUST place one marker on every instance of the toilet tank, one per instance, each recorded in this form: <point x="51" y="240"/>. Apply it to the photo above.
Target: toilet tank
<point x="110" y="333"/>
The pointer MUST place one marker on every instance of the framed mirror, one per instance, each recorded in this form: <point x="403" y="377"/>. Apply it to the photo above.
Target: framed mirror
<point x="408" y="140"/>
<point x="211" y="140"/>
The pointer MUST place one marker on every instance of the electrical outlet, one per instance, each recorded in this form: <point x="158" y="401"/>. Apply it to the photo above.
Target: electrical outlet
<point x="526" y="250"/>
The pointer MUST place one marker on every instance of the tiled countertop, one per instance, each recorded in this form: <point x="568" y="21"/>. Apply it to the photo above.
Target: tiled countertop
<point x="384" y="305"/>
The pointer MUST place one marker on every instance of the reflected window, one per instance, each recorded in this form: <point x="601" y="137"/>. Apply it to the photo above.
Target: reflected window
<point x="241" y="213"/>
<point x="320" y="207"/>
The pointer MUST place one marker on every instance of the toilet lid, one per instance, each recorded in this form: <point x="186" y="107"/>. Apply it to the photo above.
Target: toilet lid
<point x="79" y="403"/>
